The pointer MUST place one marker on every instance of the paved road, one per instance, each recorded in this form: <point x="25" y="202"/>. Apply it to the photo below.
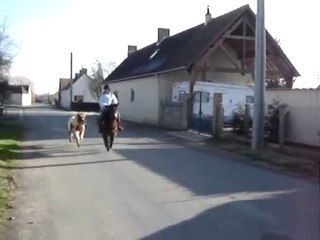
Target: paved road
<point x="151" y="186"/>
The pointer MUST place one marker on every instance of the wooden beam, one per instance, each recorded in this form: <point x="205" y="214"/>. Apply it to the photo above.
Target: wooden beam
<point x="214" y="46"/>
<point x="203" y="73"/>
<point x="234" y="27"/>
<point x="192" y="82"/>
<point x="244" y="21"/>
<point x="221" y="69"/>
<point x="239" y="37"/>
<point x="232" y="70"/>
<point x="244" y="48"/>
<point x="231" y="59"/>
<point x="221" y="40"/>
<point x="249" y="25"/>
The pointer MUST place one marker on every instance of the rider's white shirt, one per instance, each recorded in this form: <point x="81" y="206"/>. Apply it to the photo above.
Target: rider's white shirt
<point x="106" y="99"/>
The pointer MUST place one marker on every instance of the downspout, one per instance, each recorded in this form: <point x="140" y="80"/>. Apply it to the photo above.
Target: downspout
<point x="160" y="104"/>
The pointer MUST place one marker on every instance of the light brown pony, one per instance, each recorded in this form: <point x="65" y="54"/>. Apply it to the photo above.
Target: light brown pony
<point x="109" y="127"/>
<point x="76" y="127"/>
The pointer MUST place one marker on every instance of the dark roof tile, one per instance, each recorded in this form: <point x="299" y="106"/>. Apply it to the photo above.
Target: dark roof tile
<point x="183" y="49"/>
<point x="176" y="51"/>
<point x="15" y="88"/>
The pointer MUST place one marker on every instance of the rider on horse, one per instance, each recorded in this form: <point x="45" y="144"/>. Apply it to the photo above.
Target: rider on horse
<point x="105" y="100"/>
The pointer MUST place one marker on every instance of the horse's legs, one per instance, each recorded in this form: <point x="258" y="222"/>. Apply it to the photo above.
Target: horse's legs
<point x="82" y="134"/>
<point x="106" y="141"/>
<point x="111" y="139"/>
<point x="77" y="138"/>
<point x="70" y="136"/>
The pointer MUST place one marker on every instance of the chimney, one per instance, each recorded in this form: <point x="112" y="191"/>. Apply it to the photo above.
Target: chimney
<point x="83" y="71"/>
<point x="131" y="49"/>
<point x="208" y="17"/>
<point x="163" y="33"/>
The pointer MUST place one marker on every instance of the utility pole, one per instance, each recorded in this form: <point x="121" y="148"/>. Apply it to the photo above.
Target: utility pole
<point x="71" y="81"/>
<point x="259" y="77"/>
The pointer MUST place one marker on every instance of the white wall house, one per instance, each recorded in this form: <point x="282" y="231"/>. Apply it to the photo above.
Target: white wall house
<point x="219" y="50"/>
<point x="18" y="94"/>
<point x="139" y="99"/>
<point x="82" y="97"/>
<point x="65" y="98"/>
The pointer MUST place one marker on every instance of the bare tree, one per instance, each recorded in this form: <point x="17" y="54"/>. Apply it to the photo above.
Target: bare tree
<point x="7" y="52"/>
<point x="98" y="73"/>
<point x="110" y="66"/>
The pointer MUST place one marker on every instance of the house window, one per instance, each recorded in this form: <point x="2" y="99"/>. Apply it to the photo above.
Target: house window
<point x="131" y="95"/>
<point x="205" y="96"/>
<point x="78" y="98"/>
<point x="181" y="94"/>
<point x="249" y="99"/>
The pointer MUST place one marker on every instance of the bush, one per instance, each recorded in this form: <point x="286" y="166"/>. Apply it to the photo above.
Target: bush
<point x="238" y="120"/>
<point x="272" y="119"/>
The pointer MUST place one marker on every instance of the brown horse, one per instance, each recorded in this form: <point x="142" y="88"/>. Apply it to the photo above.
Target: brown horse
<point x="109" y="127"/>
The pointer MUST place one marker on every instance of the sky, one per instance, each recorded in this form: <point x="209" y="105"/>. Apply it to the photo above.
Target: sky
<point x="47" y="31"/>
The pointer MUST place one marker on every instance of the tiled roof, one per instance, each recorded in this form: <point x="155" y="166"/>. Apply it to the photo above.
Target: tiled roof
<point x="180" y="50"/>
<point x="15" y="88"/>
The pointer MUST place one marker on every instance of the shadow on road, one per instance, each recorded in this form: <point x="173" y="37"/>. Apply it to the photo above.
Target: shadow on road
<point x="62" y="164"/>
<point x="208" y="175"/>
<point x="227" y="221"/>
<point x="203" y="173"/>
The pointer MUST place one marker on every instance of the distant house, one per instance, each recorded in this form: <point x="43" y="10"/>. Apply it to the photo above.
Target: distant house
<point x="16" y="94"/>
<point x="82" y="98"/>
<point x="219" y="50"/>
<point x="63" y="84"/>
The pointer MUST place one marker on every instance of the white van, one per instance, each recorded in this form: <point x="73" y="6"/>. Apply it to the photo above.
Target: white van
<point x="232" y="96"/>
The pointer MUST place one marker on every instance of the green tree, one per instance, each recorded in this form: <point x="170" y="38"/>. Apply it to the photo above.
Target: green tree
<point x="278" y="83"/>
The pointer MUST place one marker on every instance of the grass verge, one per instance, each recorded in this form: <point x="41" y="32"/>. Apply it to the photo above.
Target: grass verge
<point x="10" y="135"/>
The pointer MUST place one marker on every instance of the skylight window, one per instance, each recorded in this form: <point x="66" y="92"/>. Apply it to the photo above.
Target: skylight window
<point x="158" y="43"/>
<point x="155" y="53"/>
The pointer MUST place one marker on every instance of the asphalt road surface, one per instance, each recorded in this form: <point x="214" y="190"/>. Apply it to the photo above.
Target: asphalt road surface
<point x="150" y="186"/>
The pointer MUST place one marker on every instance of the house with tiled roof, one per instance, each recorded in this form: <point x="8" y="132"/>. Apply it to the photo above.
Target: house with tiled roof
<point x="82" y="97"/>
<point x="220" y="50"/>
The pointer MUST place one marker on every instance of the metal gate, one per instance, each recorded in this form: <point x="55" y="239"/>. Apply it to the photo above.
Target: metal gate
<point x="196" y="120"/>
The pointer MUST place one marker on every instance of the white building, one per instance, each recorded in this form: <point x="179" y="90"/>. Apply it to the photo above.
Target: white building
<point x="17" y="94"/>
<point x="82" y="97"/>
<point x="220" y="49"/>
